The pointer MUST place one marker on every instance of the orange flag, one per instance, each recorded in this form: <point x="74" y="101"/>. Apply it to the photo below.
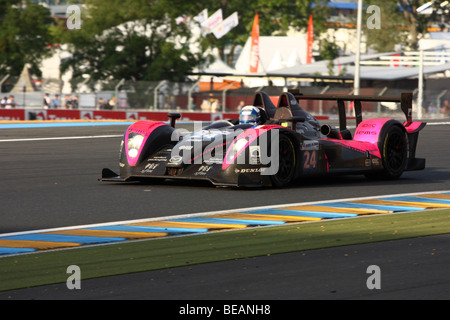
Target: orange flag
<point x="310" y="40"/>
<point x="254" y="48"/>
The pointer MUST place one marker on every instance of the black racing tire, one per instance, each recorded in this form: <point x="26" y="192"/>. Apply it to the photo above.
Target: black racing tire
<point x="393" y="146"/>
<point x="286" y="164"/>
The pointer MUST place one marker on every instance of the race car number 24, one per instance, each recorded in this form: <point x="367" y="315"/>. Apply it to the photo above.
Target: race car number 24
<point x="309" y="159"/>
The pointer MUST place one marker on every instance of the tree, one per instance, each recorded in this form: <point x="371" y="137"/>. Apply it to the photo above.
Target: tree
<point x="400" y="24"/>
<point x="25" y="36"/>
<point x="131" y="39"/>
<point x="417" y="24"/>
<point x="392" y="26"/>
<point x="329" y="51"/>
<point x="138" y="39"/>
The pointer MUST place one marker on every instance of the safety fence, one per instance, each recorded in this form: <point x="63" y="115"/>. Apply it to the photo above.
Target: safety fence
<point x="199" y="100"/>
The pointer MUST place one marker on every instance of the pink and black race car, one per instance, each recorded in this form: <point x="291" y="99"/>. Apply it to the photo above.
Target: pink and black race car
<point x="287" y="144"/>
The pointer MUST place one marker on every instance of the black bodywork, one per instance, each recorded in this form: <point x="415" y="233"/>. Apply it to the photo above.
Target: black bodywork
<point x="290" y="144"/>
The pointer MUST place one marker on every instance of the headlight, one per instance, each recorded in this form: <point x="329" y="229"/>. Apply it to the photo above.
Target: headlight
<point x="238" y="146"/>
<point x="134" y="144"/>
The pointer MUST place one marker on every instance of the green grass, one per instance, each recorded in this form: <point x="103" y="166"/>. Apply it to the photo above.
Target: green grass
<point x="50" y="267"/>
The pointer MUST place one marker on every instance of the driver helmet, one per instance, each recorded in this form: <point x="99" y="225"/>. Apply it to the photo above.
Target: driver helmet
<point x="250" y="114"/>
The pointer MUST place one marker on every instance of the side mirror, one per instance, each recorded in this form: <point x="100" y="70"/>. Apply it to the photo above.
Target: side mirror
<point x="173" y="117"/>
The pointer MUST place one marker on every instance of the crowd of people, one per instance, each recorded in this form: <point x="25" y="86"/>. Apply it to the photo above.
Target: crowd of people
<point x="70" y="102"/>
<point x="432" y="108"/>
<point x="106" y="105"/>
<point x="8" y="102"/>
<point x="211" y="105"/>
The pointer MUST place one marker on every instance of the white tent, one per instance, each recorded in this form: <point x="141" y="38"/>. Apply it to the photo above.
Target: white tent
<point x="274" y="53"/>
<point x="215" y="65"/>
<point x="25" y="81"/>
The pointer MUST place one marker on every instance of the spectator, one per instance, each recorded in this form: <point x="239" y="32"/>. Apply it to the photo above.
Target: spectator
<point x="215" y="106"/>
<point x="4" y="101"/>
<point x="111" y="103"/>
<point x="11" y="103"/>
<point x="55" y="103"/>
<point x="446" y="107"/>
<point x="68" y="101"/>
<point x="75" y="102"/>
<point x="46" y="101"/>
<point x="205" y="106"/>
<point x="240" y="105"/>
<point x="432" y="108"/>
<point x="101" y="104"/>
<point x="192" y="105"/>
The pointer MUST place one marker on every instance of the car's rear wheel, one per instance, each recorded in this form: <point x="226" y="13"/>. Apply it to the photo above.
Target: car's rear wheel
<point x="393" y="146"/>
<point x="286" y="163"/>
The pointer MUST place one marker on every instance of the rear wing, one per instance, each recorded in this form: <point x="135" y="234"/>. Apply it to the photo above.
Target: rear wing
<point x="405" y="100"/>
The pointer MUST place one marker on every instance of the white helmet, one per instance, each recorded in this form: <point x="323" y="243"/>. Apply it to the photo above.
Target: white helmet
<point x="250" y="114"/>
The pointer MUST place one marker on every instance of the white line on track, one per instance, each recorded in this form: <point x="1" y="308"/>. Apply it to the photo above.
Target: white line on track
<point x="62" y="138"/>
<point x="437" y="123"/>
<point x="118" y="136"/>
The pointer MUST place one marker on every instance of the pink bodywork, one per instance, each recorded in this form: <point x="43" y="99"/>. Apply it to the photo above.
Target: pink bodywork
<point x="142" y="127"/>
<point x="366" y="136"/>
<point x="251" y="134"/>
<point x="412" y="127"/>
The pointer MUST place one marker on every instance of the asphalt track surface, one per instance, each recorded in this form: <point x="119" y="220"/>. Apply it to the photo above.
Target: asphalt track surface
<point x="49" y="183"/>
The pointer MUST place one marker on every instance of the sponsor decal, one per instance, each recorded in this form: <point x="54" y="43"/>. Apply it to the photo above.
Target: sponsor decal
<point x="366" y="132"/>
<point x="213" y="160"/>
<point x="248" y="170"/>
<point x="87" y="115"/>
<point x="158" y="159"/>
<point x="202" y="170"/>
<point x="9" y="118"/>
<point x="186" y="147"/>
<point x="176" y="160"/>
<point x="376" y="162"/>
<point x="132" y="116"/>
<point x="150" y="167"/>
<point x="41" y="115"/>
<point x="310" y="145"/>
